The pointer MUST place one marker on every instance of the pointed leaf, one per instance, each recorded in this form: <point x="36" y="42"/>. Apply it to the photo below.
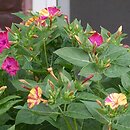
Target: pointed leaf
<point x="73" y="55"/>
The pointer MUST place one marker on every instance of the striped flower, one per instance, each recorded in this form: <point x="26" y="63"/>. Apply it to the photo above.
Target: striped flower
<point x="35" y="97"/>
<point x="114" y="100"/>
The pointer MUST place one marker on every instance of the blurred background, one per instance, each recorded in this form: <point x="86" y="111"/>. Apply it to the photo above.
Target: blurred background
<point x="107" y="13"/>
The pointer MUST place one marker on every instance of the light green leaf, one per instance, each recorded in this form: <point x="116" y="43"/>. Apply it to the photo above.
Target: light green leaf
<point x="87" y="96"/>
<point x="116" y="71"/>
<point x="73" y="55"/>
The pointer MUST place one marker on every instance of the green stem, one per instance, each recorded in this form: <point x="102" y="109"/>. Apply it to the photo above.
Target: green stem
<point x="66" y="121"/>
<point x="75" y="124"/>
<point x="45" y="52"/>
<point x="65" y="107"/>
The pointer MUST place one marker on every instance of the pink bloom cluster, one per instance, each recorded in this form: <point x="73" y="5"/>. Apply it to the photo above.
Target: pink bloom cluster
<point x="4" y="42"/>
<point x="10" y="65"/>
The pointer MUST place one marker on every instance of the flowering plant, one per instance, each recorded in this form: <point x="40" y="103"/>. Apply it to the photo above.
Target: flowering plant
<point x="68" y="78"/>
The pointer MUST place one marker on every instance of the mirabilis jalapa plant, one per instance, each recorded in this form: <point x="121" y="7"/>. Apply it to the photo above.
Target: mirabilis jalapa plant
<point x="70" y="78"/>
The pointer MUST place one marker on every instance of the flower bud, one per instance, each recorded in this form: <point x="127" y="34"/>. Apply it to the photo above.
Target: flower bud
<point x="50" y="70"/>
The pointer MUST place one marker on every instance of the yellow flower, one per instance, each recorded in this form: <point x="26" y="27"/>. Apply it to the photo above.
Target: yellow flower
<point x="114" y="100"/>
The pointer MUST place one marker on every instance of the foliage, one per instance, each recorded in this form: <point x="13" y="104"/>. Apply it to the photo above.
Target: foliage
<point x="62" y="76"/>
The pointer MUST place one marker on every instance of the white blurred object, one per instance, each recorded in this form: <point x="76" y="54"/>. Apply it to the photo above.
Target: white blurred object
<point x="40" y="4"/>
<point x="65" y="7"/>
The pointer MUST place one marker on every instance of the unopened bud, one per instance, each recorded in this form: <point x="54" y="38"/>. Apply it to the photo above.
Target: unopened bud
<point x="77" y="38"/>
<point x="99" y="103"/>
<point x="107" y="65"/>
<point x="126" y="106"/>
<point x="9" y="30"/>
<point x="126" y="46"/>
<point x="24" y="81"/>
<point x="44" y="100"/>
<point x="3" y="88"/>
<point x="88" y="78"/>
<point x="120" y="29"/>
<point x="71" y="93"/>
<point x="51" y="84"/>
<point x="50" y="70"/>
<point x="108" y="39"/>
<point x="35" y="36"/>
<point x="31" y="49"/>
<point x="109" y="34"/>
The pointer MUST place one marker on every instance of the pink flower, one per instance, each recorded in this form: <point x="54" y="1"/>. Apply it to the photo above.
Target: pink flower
<point x="49" y="12"/>
<point x="96" y="39"/>
<point x="4" y="42"/>
<point x="114" y="100"/>
<point x="10" y="65"/>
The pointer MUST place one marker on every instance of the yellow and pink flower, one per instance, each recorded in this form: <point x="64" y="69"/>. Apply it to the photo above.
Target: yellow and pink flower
<point x="35" y="97"/>
<point x="49" y="12"/>
<point x="114" y="100"/>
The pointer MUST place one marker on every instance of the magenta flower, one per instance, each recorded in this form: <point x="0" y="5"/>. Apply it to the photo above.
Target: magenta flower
<point x="53" y="11"/>
<point x="10" y="65"/>
<point x="4" y="42"/>
<point x="96" y="39"/>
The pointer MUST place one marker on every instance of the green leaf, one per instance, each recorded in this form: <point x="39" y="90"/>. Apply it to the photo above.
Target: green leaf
<point x="122" y="123"/>
<point x="116" y="71"/>
<point x="78" y="111"/>
<point x="6" y="106"/>
<point x="123" y="60"/>
<point x="125" y="80"/>
<point x="91" y="68"/>
<point x="4" y="127"/>
<point x="6" y="99"/>
<point x="104" y="33"/>
<point x="30" y="84"/>
<point x="4" y="118"/>
<point x="91" y="124"/>
<point x="93" y="109"/>
<point x="28" y="117"/>
<point x="87" y="96"/>
<point x="112" y="52"/>
<point x="73" y="55"/>
<point x="12" y="127"/>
